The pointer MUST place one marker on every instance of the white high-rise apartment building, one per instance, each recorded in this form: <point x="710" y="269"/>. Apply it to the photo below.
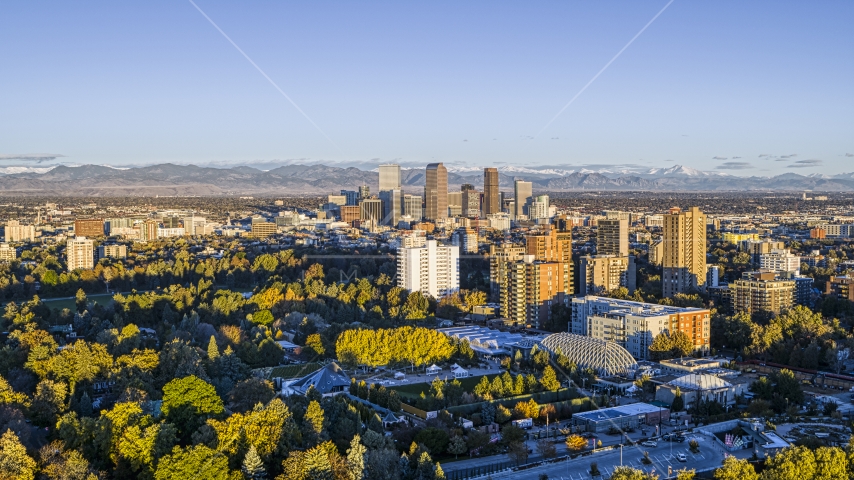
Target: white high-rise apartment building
<point x="80" y="253"/>
<point x="539" y="208"/>
<point x="780" y="261"/>
<point x="15" y="232"/>
<point x="433" y="269"/>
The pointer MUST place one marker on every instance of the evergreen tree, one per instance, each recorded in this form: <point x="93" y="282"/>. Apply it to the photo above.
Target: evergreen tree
<point x="253" y="467"/>
<point x="213" y="349"/>
<point x="678" y="402"/>
<point x="85" y="407"/>
<point x="356" y="459"/>
<point x="317" y="465"/>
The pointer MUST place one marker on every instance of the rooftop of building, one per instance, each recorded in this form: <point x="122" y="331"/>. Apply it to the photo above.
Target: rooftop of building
<point x="611" y="413"/>
<point x="628" y="307"/>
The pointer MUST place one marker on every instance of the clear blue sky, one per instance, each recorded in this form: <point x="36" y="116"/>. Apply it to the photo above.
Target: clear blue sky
<point x="460" y="82"/>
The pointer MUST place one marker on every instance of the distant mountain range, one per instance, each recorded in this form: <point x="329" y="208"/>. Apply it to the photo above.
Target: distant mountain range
<point x="188" y="180"/>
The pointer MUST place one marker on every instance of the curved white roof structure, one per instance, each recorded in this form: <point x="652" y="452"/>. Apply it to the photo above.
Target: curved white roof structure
<point x="604" y="357"/>
<point x="700" y="382"/>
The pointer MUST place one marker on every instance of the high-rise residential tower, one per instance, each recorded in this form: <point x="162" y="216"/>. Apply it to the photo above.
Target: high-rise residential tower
<point x="543" y="277"/>
<point x="523" y="192"/>
<point x="612" y="237"/>
<point x="491" y="201"/>
<point x="436" y="192"/>
<point x="433" y="269"/>
<point x="80" y="253"/>
<point x="684" y="258"/>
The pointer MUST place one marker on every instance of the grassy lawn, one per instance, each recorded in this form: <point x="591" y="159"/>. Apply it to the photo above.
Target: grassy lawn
<point x="294" y="371"/>
<point x="101" y="298"/>
<point x="413" y="390"/>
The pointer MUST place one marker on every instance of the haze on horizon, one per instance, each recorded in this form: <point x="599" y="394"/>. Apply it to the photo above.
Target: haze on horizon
<point x="758" y="88"/>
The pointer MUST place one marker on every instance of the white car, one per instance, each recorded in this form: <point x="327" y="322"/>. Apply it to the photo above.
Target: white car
<point x="649" y="444"/>
<point x="681" y="457"/>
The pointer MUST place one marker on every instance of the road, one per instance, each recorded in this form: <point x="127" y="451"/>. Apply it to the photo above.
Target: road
<point x="709" y="456"/>
<point x="607" y="440"/>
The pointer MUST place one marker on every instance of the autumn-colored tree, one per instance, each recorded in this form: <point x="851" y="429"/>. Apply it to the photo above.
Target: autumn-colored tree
<point x="575" y="443"/>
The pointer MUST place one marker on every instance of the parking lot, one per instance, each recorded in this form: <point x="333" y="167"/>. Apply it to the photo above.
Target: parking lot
<point x="663" y="456"/>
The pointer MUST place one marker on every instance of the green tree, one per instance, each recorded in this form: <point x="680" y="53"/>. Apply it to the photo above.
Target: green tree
<point x="549" y="379"/>
<point x="315" y="343"/>
<point x="457" y="446"/>
<point x="736" y="469"/>
<point x="685" y="474"/>
<point x="80" y="300"/>
<point x="435" y="440"/>
<point x="318" y="465"/>
<point x="831" y="463"/>
<point x="262" y="317"/>
<point x="793" y="463"/>
<point x="661" y="346"/>
<point x="188" y="402"/>
<point x="14" y="461"/>
<point x="314" y="417"/>
<point x="356" y="459"/>
<point x="629" y="473"/>
<point x="253" y="467"/>
<point x="681" y="344"/>
<point x="213" y="349"/>
<point x="787" y="386"/>
<point x="198" y="462"/>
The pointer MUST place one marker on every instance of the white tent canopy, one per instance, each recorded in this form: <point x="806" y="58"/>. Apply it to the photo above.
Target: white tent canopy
<point x="433" y="369"/>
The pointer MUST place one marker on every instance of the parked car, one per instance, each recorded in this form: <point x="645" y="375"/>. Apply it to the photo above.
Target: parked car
<point x="681" y="457"/>
<point x="649" y="444"/>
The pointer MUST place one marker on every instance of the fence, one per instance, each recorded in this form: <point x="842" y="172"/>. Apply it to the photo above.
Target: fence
<point x="479" y="471"/>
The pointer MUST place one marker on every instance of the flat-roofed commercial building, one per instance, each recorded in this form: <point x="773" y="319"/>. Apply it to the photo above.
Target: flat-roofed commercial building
<point x="371" y="210"/>
<point x="491" y="200"/>
<point x="523" y="196"/>
<point x="350" y="213"/>
<point x="412" y="206"/>
<point x="89" y="227"/>
<point x="634" y="325"/>
<point x="436" y="192"/>
<point x="263" y="229"/>
<point x="623" y="417"/>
